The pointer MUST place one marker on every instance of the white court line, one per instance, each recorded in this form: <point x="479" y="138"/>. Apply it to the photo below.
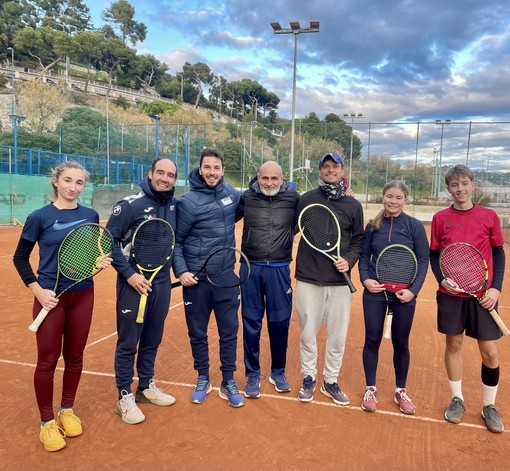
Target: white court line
<point x="276" y="397"/>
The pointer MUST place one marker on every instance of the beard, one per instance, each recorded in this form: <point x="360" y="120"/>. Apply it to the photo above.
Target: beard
<point x="272" y="192"/>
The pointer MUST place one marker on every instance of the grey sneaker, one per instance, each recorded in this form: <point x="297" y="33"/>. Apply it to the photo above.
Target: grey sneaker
<point x="155" y="395"/>
<point x="128" y="410"/>
<point x="492" y="419"/>
<point x="455" y="410"/>
<point x="333" y="391"/>
<point x="307" y="390"/>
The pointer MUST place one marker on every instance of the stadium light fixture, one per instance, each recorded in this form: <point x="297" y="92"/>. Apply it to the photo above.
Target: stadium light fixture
<point x="294" y="29"/>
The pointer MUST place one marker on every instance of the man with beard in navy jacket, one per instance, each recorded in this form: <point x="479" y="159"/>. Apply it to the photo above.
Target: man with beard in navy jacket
<point x="206" y="221"/>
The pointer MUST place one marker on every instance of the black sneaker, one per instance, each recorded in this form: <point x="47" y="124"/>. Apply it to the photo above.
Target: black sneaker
<point x="455" y="410"/>
<point x="492" y="419"/>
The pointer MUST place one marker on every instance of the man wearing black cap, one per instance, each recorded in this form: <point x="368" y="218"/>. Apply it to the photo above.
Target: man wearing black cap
<point x="321" y="292"/>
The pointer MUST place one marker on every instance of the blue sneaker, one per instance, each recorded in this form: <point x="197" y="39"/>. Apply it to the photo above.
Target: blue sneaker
<point x="204" y="387"/>
<point x="280" y="383"/>
<point x="252" y="389"/>
<point x="307" y="390"/>
<point x="333" y="391"/>
<point x="230" y="393"/>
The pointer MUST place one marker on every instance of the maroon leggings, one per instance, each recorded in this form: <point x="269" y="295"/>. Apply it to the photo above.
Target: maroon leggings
<point x="64" y="331"/>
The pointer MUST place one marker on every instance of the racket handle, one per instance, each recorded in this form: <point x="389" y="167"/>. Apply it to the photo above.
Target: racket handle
<point x="349" y="282"/>
<point x="387" y="325"/>
<point x="499" y="321"/>
<point x="141" y="309"/>
<point x="34" y="326"/>
<point x="176" y="284"/>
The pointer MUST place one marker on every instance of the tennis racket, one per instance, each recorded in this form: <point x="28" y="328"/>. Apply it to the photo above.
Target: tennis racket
<point x="221" y="270"/>
<point x="151" y="247"/>
<point x="79" y="256"/>
<point x="320" y="229"/>
<point x="464" y="268"/>
<point x="396" y="269"/>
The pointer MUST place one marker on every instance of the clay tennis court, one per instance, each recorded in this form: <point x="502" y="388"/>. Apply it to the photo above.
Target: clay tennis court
<point x="275" y="432"/>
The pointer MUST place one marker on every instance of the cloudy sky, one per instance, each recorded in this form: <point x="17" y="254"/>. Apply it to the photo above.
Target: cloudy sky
<point x="388" y="59"/>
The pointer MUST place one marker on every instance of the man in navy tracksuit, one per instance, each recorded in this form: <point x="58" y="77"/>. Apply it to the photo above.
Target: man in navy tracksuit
<point x="206" y="221"/>
<point x="155" y="200"/>
<point x="269" y="211"/>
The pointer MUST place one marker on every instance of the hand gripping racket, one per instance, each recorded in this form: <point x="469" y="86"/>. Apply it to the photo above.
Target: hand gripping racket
<point x="221" y="270"/>
<point x="79" y="256"/>
<point x="320" y="229"/>
<point x="396" y="269"/>
<point x="464" y="267"/>
<point x="151" y="247"/>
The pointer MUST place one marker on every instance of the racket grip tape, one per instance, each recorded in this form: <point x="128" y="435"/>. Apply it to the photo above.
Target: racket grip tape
<point x="34" y="326"/>
<point x="141" y="309"/>
<point x="499" y="321"/>
<point x="387" y="326"/>
<point x="349" y="282"/>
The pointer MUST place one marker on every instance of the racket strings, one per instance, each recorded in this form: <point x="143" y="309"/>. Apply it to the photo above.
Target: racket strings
<point x="222" y="270"/>
<point x="153" y="244"/>
<point x="396" y="266"/>
<point x="82" y="250"/>
<point x="465" y="266"/>
<point x="319" y="228"/>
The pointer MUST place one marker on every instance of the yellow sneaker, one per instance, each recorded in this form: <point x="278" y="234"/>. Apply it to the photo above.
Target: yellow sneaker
<point x="52" y="436"/>
<point x="70" y="423"/>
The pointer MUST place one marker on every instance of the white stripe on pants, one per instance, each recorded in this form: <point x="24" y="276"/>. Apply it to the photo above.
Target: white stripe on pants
<point x="315" y="305"/>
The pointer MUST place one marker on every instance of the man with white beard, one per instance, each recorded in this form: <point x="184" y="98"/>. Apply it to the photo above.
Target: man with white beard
<point x="269" y="211"/>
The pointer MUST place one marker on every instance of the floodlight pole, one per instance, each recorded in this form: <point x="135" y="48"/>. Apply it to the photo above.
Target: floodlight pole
<point x="294" y="29"/>
<point x="156" y="144"/>
<point x="13" y="96"/>
<point x="15" y="120"/>
<point x="438" y="181"/>
<point x="353" y="116"/>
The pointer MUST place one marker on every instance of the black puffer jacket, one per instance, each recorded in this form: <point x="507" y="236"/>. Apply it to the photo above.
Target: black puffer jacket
<point x="269" y="221"/>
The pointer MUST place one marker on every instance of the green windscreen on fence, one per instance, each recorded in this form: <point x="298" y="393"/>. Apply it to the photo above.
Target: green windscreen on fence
<point x="22" y="194"/>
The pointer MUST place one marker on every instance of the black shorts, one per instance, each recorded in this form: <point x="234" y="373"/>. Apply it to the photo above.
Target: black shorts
<point x="456" y="315"/>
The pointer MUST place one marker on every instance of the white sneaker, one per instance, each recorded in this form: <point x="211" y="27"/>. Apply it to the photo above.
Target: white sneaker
<point x="128" y="410"/>
<point x="155" y="395"/>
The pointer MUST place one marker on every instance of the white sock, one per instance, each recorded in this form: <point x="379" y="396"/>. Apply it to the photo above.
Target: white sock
<point x="489" y="394"/>
<point x="456" y="388"/>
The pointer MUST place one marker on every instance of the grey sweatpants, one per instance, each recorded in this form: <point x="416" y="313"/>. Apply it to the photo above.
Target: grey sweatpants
<point x="315" y="305"/>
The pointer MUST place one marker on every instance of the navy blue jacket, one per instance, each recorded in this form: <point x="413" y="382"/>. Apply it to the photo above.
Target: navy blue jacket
<point x="206" y="220"/>
<point x="403" y="229"/>
<point x="126" y="215"/>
